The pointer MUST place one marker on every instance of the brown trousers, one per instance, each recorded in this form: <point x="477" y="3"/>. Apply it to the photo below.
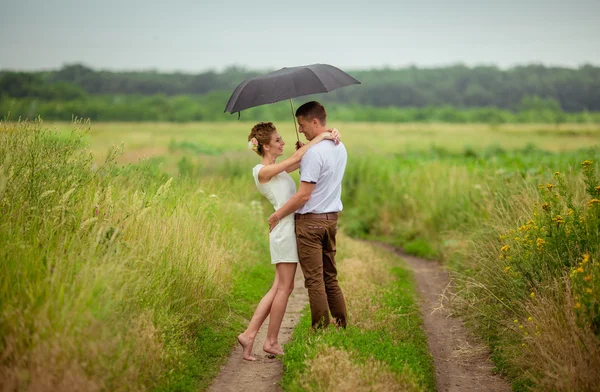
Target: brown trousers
<point x="316" y="250"/>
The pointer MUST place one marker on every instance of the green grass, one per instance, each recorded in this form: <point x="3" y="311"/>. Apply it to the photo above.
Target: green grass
<point x="463" y="208"/>
<point x="359" y="137"/>
<point x="120" y="278"/>
<point x="215" y="339"/>
<point x="392" y="335"/>
<point x="150" y="291"/>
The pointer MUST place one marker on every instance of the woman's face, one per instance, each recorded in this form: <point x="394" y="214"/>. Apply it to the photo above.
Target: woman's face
<point x="276" y="144"/>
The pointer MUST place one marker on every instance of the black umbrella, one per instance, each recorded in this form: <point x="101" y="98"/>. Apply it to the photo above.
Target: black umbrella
<point x="287" y="83"/>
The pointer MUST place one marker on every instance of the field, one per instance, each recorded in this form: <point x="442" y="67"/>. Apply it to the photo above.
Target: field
<point x="134" y="268"/>
<point x="379" y="138"/>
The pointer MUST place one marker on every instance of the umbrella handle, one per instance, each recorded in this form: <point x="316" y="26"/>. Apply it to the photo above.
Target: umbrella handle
<point x="294" y="117"/>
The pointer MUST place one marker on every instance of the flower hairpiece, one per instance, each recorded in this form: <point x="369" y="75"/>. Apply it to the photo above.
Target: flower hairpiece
<point x="253" y="144"/>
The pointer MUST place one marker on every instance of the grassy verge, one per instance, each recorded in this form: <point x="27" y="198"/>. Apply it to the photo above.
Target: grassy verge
<point x="384" y="346"/>
<point x="531" y="283"/>
<point x="118" y="278"/>
<point x="522" y="242"/>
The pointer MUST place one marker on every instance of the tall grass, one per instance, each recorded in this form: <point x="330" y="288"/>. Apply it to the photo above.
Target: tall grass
<point x="112" y="278"/>
<point x="534" y="289"/>
<point x="523" y="244"/>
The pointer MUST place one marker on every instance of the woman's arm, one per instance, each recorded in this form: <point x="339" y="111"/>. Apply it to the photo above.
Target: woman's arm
<point x="293" y="167"/>
<point x="267" y="172"/>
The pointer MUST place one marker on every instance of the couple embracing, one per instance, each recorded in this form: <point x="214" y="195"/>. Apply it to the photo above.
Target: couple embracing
<point x="304" y="224"/>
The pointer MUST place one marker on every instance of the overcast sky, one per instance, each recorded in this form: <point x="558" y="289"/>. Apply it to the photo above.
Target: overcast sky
<point x="196" y="35"/>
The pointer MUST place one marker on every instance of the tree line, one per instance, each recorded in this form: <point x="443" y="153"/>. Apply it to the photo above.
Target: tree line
<point x="209" y="107"/>
<point x="455" y="93"/>
<point x="458" y="86"/>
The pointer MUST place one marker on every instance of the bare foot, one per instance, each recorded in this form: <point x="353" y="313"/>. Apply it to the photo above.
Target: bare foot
<point x="246" y="344"/>
<point x="273" y="348"/>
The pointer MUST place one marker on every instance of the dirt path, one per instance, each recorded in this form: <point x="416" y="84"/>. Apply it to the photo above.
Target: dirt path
<point x="265" y="373"/>
<point x="461" y="363"/>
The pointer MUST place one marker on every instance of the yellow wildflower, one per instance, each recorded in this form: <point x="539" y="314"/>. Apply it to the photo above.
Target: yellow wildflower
<point x="577" y="305"/>
<point x="524" y="228"/>
<point x="506" y="269"/>
<point x="570" y="212"/>
<point x="505" y="248"/>
<point x="522" y="344"/>
<point x="559" y="219"/>
<point x="532" y="295"/>
<point x="529" y="319"/>
<point x="586" y="163"/>
<point x="540" y="242"/>
<point x="589" y="291"/>
<point x="546" y="207"/>
<point x="597" y="189"/>
<point x="588" y="278"/>
<point x="593" y="201"/>
<point x="541" y="186"/>
<point x="580" y="269"/>
<point x="586" y="258"/>
<point x="549" y="186"/>
<point x="557" y="174"/>
<point x="520" y="326"/>
<point x="516" y="321"/>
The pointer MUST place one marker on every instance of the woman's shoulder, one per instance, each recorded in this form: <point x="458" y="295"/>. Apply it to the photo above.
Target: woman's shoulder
<point x="256" y="169"/>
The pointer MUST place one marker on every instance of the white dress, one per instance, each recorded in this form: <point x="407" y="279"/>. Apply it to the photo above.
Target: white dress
<point x="282" y="239"/>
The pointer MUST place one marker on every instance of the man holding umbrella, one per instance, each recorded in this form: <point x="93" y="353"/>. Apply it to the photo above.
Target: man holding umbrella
<point x="317" y="204"/>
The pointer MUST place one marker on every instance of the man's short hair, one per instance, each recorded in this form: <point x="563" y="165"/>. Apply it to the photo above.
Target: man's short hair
<point x="312" y="109"/>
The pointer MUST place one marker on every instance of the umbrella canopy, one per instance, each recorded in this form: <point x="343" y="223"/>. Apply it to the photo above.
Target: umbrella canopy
<point x="287" y="83"/>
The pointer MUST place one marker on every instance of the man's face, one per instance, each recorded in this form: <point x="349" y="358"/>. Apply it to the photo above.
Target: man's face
<point x="307" y="127"/>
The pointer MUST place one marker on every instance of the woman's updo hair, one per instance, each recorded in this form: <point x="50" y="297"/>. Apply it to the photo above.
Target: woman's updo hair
<point x="262" y="132"/>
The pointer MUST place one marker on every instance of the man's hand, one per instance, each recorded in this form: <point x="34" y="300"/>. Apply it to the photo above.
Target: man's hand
<point x="273" y="221"/>
<point x="299" y="145"/>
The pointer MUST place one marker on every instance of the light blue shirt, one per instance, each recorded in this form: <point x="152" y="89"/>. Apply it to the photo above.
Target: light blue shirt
<point x="324" y="165"/>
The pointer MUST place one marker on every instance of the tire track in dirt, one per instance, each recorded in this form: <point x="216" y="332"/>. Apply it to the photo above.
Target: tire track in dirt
<point x="462" y="363"/>
<point x="265" y="373"/>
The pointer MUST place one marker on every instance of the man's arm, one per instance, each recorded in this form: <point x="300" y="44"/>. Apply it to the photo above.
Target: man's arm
<point x="298" y="200"/>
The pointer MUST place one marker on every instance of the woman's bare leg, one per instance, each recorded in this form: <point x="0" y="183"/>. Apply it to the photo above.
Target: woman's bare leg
<point x="286" y="273"/>
<point x="246" y="338"/>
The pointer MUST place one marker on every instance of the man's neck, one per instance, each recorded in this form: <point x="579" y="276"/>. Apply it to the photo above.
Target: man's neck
<point x="320" y="131"/>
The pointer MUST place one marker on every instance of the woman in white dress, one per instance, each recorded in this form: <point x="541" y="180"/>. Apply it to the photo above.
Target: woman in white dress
<point x="274" y="182"/>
